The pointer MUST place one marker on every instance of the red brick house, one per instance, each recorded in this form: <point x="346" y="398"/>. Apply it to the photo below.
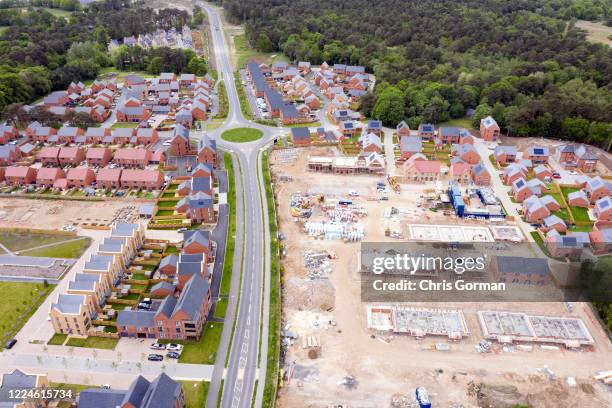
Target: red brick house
<point x="537" y="154"/>
<point x="466" y="152"/>
<point x="41" y="134"/>
<point x="207" y="151"/>
<point x="109" y="178"/>
<point x="300" y="136"/>
<point x="132" y="157"/>
<point x="95" y="135"/>
<point x="480" y="175"/>
<point x="49" y="156"/>
<point x="596" y="188"/>
<point x="146" y="136"/>
<point x="132" y="111"/>
<point x="197" y="242"/>
<point x="47" y="176"/>
<point x="2" y="170"/>
<point x="489" y="129"/>
<point x="505" y="154"/>
<point x="98" y="156"/>
<point x="142" y="179"/>
<point x="9" y="154"/>
<point x="68" y="134"/>
<point x="603" y="209"/>
<point x="80" y="177"/>
<point x="20" y="175"/>
<point x="460" y="172"/>
<point x="578" y="199"/>
<point x="8" y="133"/>
<point x="542" y="172"/>
<point x="71" y="156"/>
<point x="180" y="143"/>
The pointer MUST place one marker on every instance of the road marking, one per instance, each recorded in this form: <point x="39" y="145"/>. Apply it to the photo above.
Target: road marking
<point x="246" y="334"/>
<point x="245" y="348"/>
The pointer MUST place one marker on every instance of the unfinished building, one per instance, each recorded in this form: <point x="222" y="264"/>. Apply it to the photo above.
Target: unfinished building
<point x="509" y="327"/>
<point x="418" y="322"/>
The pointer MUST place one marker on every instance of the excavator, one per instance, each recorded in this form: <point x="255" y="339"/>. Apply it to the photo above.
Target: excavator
<point x="393" y="183"/>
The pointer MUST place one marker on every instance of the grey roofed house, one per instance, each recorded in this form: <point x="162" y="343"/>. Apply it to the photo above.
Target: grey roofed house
<point x="585" y="154"/>
<point x="355" y="69"/>
<point x="553" y="220"/>
<point x="456" y="159"/>
<point x="145" y="132"/>
<point x="95" y="132"/>
<point x="122" y="132"/>
<point x="201" y="184"/>
<point x="540" y="169"/>
<point x="280" y="65"/>
<point x="124" y="229"/>
<point x="6" y="150"/>
<point x="187" y="77"/>
<point x="289" y="111"/>
<point x="517" y="264"/>
<point x="27" y="148"/>
<point x="402" y="125"/>
<point x="193" y="296"/>
<point x="200" y="236"/>
<point x="84" y="281"/>
<point x="427" y="128"/>
<point x="548" y="199"/>
<point x="163" y="285"/>
<point x="67" y="303"/>
<point x="450" y="131"/>
<point x="462" y="149"/>
<point x="411" y="144"/>
<point x="374" y="124"/>
<point x="171" y="260"/>
<point x="207" y="143"/>
<point x="300" y="133"/>
<point x="538" y="151"/>
<point x="99" y="262"/>
<point x="575" y="195"/>
<point x="189" y="268"/>
<point x="479" y="169"/>
<point x="163" y="392"/>
<point x="100" y="398"/>
<point x="507" y="150"/>
<point x="135" y="79"/>
<point x="191" y="257"/>
<point x="132" y="110"/>
<point x="184" y="115"/>
<point x="136" y="318"/>
<point x="303" y="64"/>
<point x="207" y="167"/>
<point x="166" y="307"/>
<point x="603" y="204"/>
<point x="111" y="245"/>
<point x="595" y="183"/>
<point x="180" y="131"/>
<point x="340" y="67"/>
<point x="198" y="200"/>
<point x="135" y="394"/>
<point x="54" y="97"/>
<point x="330" y="137"/>
<point x="18" y="379"/>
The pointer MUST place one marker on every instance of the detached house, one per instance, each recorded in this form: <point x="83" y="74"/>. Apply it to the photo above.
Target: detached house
<point x="489" y="129"/>
<point x="537" y="154"/>
<point x="603" y="209"/>
<point x="180" y="144"/>
<point x="427" y="131"/>
<point x="596" y="189"/>
<point x="300" y="136"/>
<point x="505" y="154"/>
<point x="402" y="129"/>
<point x="199" y="207"/>
<point x="480" y="175"/>
<point x="207" y="151"/>
<point x="409" y="146"/>
<point x="577" y="156"/>
<point x="460" y="173"/>
<point x="578" y="199"/>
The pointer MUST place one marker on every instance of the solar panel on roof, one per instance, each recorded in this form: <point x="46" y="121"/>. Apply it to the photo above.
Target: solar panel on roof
<point x="538" y="151"/>
<point x="520" y="184"/>
<point x="605" y="204"/>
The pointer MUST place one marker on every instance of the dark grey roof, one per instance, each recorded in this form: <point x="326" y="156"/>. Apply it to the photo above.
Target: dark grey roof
<point x="529" y="266"/>
<point x="136" y="392"/>
<point x="300" y="133"/>
<point x="192" y="296"/>
<point x="201" y="184"/>
<point x="163" y="285"/>
<point x="67" y="303"/>
<point x="167" y="306"/>
<point x="171" y="259"/>
<point x="136" y="318"/>
<point x="426" y="127"/>
<point x="191" y="257"/>
<point x="161" y="393"/>
<point x="100" y="398"/>
<point x="189" y="268"/>
<point x="18" y="379"/>
<point x="201" y="236"/>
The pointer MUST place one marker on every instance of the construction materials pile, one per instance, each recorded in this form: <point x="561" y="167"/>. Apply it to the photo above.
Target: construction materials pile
<point x="483" y="347"/>
<point x="318" y="264"/>
<point x="343" y="212"/>
<point x="302" y="204"/>
<point x="348" y="232"/>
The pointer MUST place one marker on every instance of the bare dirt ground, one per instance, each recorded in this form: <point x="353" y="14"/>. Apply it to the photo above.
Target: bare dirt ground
<point x="597" y="32"/>
<point x="382" y="367"/>
<point x="49" y="214"/>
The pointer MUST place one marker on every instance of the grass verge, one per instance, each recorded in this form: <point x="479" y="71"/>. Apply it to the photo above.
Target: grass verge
<point x="245" y="106"/>
<point x="70" y="250"/>
<point x="58" y="339"/>
<point x="226" y="278"/>
<point x="223" y="102"/>
<point x="203" y="351"/>
<point x="242" y="135"/>
<point x="195" y="393"/>
<point x="106" y="343"/>
<point x="271" y="384"/>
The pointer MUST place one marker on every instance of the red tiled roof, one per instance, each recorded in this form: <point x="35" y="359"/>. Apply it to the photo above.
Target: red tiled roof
<point x="49" y="173"/>
<point x="131" y="154"/>
<point x="140" y="175"/>
<point x="96" y="152"/>
<point x="460" y="168"/>
<point x="427" y="166"/>
<point x="48" y="152"/>
<point x="108" y="174"/>
<point x="16" y="171"/>
<point x="69" y="152"/>
<point x="78" y="173"/>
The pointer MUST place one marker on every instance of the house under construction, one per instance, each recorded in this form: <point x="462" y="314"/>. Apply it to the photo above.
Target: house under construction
<point x="372" y="163"/>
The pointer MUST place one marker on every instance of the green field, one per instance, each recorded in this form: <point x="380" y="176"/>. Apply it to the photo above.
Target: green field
<point x="242" y="135"/>
<point x="461" y="122"/>
<point x="195" y="393"/>
<point x="596" y="32"/>
<point x="203" y="351"/>
<point x="245" y="53"/>
<point x="17" y="240"/>
<point x="106" y="343"/>
<point x="72" y="249"/>
<point x="17" y="303"/>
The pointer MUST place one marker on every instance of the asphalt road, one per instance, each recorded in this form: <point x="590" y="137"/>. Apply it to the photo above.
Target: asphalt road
<point x="245" y="364"/>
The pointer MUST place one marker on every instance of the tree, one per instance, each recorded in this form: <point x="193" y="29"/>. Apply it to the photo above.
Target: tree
<point x="155" y="66"/>
<point x="389" y="106"/>
<point x="436" y="110"/>
<point x="366" y="103"/>
<point x="197" y="66"/>
<point x="263" y="43"/>
<point x="481" y="111"/>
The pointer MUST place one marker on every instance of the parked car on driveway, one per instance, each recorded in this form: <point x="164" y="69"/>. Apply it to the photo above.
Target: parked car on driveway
<point x="158" y="346"/>
<point x="155" y="357"/>
<point x="173" y="354"/>
<point x="174" y="347"/>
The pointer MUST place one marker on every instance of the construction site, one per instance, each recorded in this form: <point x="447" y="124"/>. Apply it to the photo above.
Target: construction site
<point x="340" y="351"/>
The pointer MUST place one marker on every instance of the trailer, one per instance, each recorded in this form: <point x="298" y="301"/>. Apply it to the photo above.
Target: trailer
<point x="422" y="398"/>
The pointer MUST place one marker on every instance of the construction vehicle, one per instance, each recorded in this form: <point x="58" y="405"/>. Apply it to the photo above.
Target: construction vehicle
<point x="422" y="398"/>
<point x="393" y="183"/>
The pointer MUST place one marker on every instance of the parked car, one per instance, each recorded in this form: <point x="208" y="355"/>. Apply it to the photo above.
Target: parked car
<point x="155" y="357"/>
<point x="10" y="344"/>
<point x="158" y="346"/>
<point x="556" y="176"/>
<point x="174" y="347"/>
<point x="106" y="386"/>
<point x="173" y="354"/>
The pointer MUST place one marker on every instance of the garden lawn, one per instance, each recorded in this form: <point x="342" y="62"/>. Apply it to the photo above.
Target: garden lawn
<point x="164" y="212"/>
<point x="242" y="135"/>
<point x="124" y="125"/>
<point x="168" y="195"/>
<point x="70" y="250"/>
<point x="580" y="213"/>
<point x="203" y="351"/>
<point x="18" y="240"/>
<point x="106" y="343"/>
<point x="167" y="204"/>
<point x="307" y="124"/>
<point x="195" y="393"/>
<point x="58" y="339"/>
<point x="18" y="302"/>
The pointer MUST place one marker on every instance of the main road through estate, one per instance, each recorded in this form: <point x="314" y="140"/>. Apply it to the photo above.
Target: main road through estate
<point x="251" y="273"/>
